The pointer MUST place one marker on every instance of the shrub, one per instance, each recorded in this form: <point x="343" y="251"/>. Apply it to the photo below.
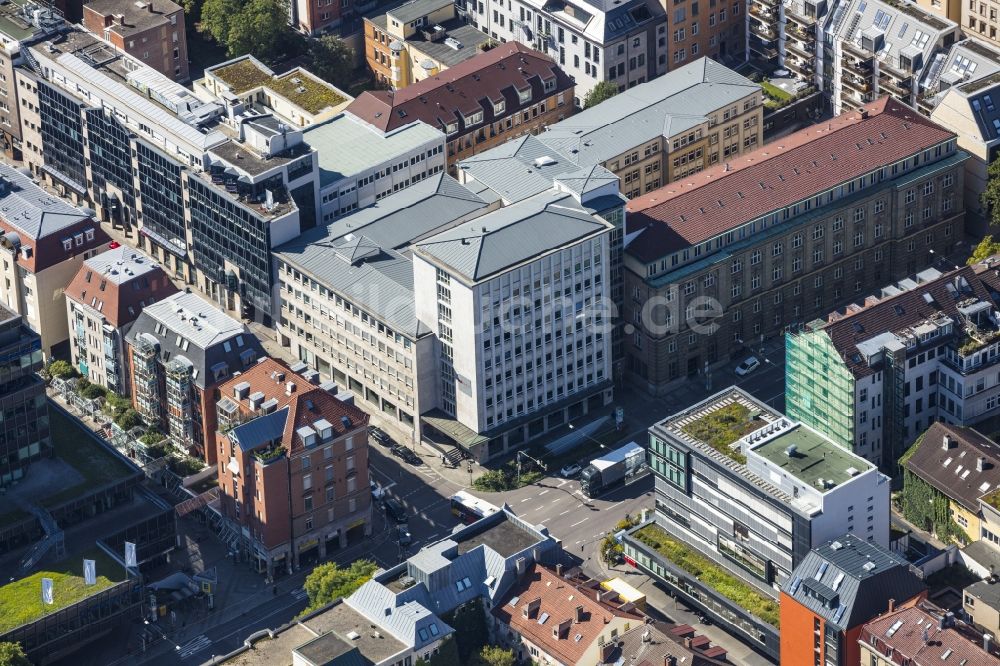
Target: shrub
<point x="329" y="581"/>
<point x="61" y="369"/>
<point x="128" y="419"/>
<point x="185" y="465"/>
<point x="91" y="391"/>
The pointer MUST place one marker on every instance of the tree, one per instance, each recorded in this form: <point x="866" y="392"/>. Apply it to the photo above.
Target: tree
<point x="217" y="17"/>
<point x="261" y="28"/>
<point x="602" y="91"/>
<point x="986" y="248"/>
<point x="332" y="60"/>
<point x="471" y="632"/>
<point x="990" y="198"/>
<point x="128" y="419"/>
<point x="61" y="369"/>
<point x="493" y="655"/>
<point x="329" y="582"/>
<point x="12" y="654"/>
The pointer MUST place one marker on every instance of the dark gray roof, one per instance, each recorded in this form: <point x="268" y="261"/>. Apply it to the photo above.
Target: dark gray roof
<point x="30" y="209"/>
<point x="849" y="581"/>
<point x="261" y="430"/>
<point x="954" y="471"/>
<point x="514" y="234"/>
<point x="987" y="592"/>
<point x="331" y="650"/>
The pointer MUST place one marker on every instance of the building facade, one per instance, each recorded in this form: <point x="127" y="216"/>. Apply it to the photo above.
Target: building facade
<point x="293" y="467"/>
<point x="924" y="635"/>
<point x="721" y="260"/>
<point x="22" y="397"/>
<point x="151" y="31"/>
<point x="979" y="20"/>
<point x="179" y="350"/>
<point x="753" y="492"/>
<point x="102" y="301"/>
<point x="875" y="378"/>
<point x="498" y="95"/>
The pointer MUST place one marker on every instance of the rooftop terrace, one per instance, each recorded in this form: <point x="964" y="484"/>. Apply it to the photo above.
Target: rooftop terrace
<point x="723" y="424"/>
<point x="303" y="89"/>
<point x="808" y="456"/>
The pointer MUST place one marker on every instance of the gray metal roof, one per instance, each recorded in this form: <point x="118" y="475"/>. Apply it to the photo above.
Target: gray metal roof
<point x="849" y="581"/>
<point x="346" y="146"/>
<point x="666" y="106"/>
<point x="469" y="37"/>
<point x="360" y="256"/>
<point x="31" y="210"/>
<point x="509" y="236"/>
<point x="261" y="430"/>
<point x="122" y="264"/>
<point x="414" y="9"/>
<point x="185" y="325"/>
<point x="407" y="620"/>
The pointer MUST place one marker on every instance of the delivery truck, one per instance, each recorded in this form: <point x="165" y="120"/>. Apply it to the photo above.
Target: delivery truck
<point x="611" y="469"/>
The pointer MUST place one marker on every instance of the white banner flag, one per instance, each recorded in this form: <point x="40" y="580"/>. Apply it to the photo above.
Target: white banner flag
<point x="89" y="572"/>
<point x="130" y="554"/>
<point x="47" y="591"/>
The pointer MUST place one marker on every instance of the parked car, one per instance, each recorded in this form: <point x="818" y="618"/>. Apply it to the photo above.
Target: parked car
<point x="403" y="535"/>
<point x="749" y="364"/>
<point x="397" y="450"/>
<point x="569" y="471"/>
<point x="395" y="510"/>
<point x="379" y="436"/>
<point x="410" y="457"/>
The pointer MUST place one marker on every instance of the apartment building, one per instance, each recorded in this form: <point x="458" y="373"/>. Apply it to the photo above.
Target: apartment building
<point x="151" y="31"/>
<point x="315" y="17"/>
<point x="874" y="378"/>
<point x="783" y="234"/>
<point x="979" y="20"/>
<point x="210" y="194"/>
<point x="975" y="473"/>
<point x="293" y="467"/>
<point x="924" y="635"/>
<point x="393" y="297"/>
<point x="25" y="432"/>
<point x="503" y="93"/>
<point x="752" y="491"/>
<point x="360" y="164"/>
<point x="180" y="349"/>
<point x="21" y="23"/>
<point x="103" y="300"/>
<point x="245" y="84"/>
<point x="590" y="41"/>
<point x="418" y="40"/>
<point x="44" y="242"/>
<point x="837" y="588"/>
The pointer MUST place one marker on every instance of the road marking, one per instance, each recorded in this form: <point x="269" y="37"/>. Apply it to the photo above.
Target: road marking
<point x="194" y="646"/>
<point x="614" y="505"/>
<point x="579" y="523"/>
<point x="299" y="594"/>
<point x="526" y="499"/>
<point x="565" y="512"/>
<point x="543" y="492"/>
<point x="562" y="483"/>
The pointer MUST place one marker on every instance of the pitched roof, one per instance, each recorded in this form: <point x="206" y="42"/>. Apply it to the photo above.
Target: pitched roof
<point x="954" y="471"/>
<point x="559" y="599"/>
<point x="916" y="637"/>
<point x="849" y="581"/>
<point x="460" y="91"/>
<point x="780" y="173"/>
<point x="32" y="211"/>
<point x="404" y="618"/>
<point x="119" y="283"/>
<point x="901" y="309"/>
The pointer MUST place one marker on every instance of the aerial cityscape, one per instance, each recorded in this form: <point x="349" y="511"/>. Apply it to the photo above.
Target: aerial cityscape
<point x="444" y="333"/>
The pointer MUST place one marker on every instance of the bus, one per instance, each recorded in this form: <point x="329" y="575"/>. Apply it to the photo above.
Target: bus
<point x="470" y="508"/>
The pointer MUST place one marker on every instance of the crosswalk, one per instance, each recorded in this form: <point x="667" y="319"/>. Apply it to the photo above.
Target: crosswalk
<point x="299" y="594"/>
<point x="194" y="646"/>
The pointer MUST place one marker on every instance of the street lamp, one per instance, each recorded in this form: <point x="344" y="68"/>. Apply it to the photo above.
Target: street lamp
<point x="596" y="441"/>
<point x="521" y="454"/>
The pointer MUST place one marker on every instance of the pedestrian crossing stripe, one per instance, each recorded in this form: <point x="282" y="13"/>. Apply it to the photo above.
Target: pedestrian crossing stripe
<point x="194" y="646"/>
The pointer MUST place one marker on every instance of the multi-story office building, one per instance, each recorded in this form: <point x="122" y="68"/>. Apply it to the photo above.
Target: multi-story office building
<point x="25" y="431"/>
<point x="377" y="299"/>
<point x="753" y="492"/>
<point x="44" y="242"/>
<point x="23" y="22"/>
<point x="874" y="378"/>
<point x="784" y="234"/>
<point x="179" y="350"/>
<point x="417" y="40"/>
<point x="244" y="85"/>
<point x="668" y="128"/>
<point x="503" y="93"/>
<point x="210" y="194"/>
<point x="622" y="42"/>
<point x="151" y="31"/>
<point x="293" y="466"/>
<point x="102" y="301"/>
<point x="838" y="587"/>
<point x="360" y="164"/>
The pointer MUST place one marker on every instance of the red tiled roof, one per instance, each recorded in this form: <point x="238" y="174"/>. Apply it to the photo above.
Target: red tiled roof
<point x="950" y="645"/>
<point x="470" y="86"/>
<point x="559" y="599"/>
<point x="778" y="174"/>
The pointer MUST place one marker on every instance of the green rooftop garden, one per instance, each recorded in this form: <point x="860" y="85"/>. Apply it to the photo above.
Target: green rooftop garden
<point x="310" y="94"/>
<point x="973" y="343"/>
<point x="992" y="499"/>
<point x="21" y="600"/>
<point x="721" y="427"/>
<point x="711" y="574"/>
<point x="74" y="446"/>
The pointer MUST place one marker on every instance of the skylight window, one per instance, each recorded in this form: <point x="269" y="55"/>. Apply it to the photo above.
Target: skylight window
<point x="543" y="618"/>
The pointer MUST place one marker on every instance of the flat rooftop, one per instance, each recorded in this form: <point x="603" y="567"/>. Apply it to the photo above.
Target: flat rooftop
<point x="505" y="538"/>
<point x="720" y="421"/>
<point x="814" y="456"/>
<point x="297" y="86"/>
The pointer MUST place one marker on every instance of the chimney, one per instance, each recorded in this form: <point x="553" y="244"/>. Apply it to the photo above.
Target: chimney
<point x="892" y="605"/>
<point x="981" y="463"/>
<point x="289" y="388"/>
<point x="561" y="631"/>
<point x="530" y="609"/>
<point x="559" y="570"/>
<point x="687" y="642"/>
<point x="521" y="566"/>
<point x="670" y="660"/>
<point x="108" y="20"/>
<point x="945" y="443"/>
<point x="607" y="650"/>
<point x="121" y="19"/>
<point x="988" y="643"/>
<point x="578" y="614"/>
<point x="149" y="6"/>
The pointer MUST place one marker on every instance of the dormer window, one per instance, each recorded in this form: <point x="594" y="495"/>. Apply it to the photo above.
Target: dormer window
<point x="89" y="233"/>
<point x="67" y="244"/>
<point x="524" y="96"/>
<point x="550" y="84"/>
<point x="451" y="128"/>
<point x="78" y="239"/>
<point x="499" y="107"/>
<point x="474" y="119"/>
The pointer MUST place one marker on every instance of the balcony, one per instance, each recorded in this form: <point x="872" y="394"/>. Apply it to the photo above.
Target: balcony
<point x="799" y="19"/>
<point x="765" y="33"/>
<point x="853" y="102"/>
<point x="804" y="33"/>
<point x="804" y="51"/>
<point x="763" y="13"/>
<point x="895" y="86"/>
<point x="861" y="67"/>
<point x="857" y="84"/>
<point x="804" y="68"/>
